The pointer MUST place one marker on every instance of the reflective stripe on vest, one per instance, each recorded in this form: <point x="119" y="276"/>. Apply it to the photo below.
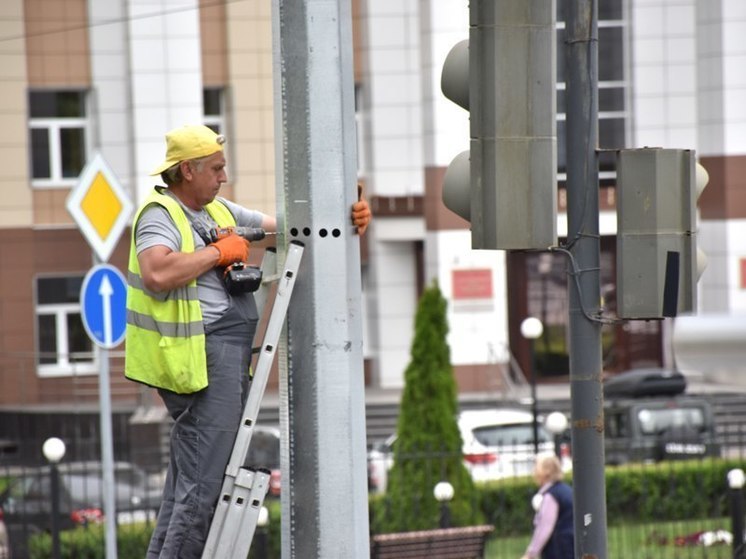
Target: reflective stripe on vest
<point x="165" y="343"/>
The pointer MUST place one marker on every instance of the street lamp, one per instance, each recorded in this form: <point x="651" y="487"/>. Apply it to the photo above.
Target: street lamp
<point x="443" y="493"/>
<point x="531" y="329"/>
<point x="53" y="450"/>
<point x="556" y="423"/>
<point x="736" y="480"/>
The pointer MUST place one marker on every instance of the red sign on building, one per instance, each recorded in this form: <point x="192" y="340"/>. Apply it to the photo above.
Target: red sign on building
<point x="475" y="283"/>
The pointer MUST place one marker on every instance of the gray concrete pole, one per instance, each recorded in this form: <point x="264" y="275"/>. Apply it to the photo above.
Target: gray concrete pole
<point x="107" y="456"/>
<point x="322" y="392"/>
<point x="583" y="243"/>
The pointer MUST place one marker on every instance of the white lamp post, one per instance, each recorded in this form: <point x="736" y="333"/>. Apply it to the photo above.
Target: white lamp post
<point x="54" y="450"/>
<point x="556" y="423"/>
<point x="736" y="481"/>
<point x="443" y="492"/>
<point x="532" y="329"/>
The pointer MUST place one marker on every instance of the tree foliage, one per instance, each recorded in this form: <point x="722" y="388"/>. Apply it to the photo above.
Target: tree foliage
<point x="428" y="444"/>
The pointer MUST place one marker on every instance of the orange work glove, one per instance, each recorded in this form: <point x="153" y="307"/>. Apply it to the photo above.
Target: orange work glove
<point x="232" y="249"/>
<point x="361" y="214"/>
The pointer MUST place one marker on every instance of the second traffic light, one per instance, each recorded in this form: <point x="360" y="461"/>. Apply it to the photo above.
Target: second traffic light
<point x="658" y="261"/>
<point x="505" y="76"/>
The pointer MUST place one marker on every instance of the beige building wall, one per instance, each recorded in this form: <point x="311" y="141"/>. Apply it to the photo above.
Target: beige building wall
<point x="213" y="44"/>
<point x="57" y="43"/>
<point x="58" y="56"/>
<point x="15" y="203"/>
<point x="250" y="102"/>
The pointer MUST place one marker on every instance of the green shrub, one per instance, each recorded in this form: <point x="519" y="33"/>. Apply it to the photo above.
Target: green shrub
<point x="669" y="490"/>
<point x="428" y="445"/>
<point x="506" y="504"/>
<point x="87" y="542"/>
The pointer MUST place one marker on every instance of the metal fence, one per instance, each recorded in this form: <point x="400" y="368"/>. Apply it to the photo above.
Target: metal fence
<point x="644" y="528"/>
<point x="30" y="504"/>
<point x="655" y="509"/>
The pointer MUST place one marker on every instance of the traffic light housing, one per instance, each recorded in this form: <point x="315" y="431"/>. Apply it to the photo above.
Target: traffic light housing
<point x="508" y="189"/>
<point x="658" y="263"/>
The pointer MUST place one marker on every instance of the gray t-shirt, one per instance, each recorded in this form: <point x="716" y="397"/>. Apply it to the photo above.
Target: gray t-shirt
<point x="155" y="227"/>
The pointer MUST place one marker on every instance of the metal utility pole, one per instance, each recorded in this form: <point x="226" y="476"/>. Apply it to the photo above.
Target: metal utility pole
<point x="583" y="243"/>
<point x="322" y="392"/>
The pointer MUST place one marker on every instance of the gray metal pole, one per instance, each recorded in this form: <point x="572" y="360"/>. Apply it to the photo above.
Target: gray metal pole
<point x="107" y="442"/>
<point x="737" y="521"/>
<point x="107" y="457"/>
<point x="534" y="398"/>
<point x="581" y="76"/>
<point x="55" y="525"/>
<point x="322" y="392"/>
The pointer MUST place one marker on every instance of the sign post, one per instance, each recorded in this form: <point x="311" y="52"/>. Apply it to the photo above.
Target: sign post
<point x="102" y="209"/>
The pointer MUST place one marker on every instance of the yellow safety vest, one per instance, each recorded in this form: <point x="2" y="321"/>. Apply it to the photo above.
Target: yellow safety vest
<point x="165" y="338"/>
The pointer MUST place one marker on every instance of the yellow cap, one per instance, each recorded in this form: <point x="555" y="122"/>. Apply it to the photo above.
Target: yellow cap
<point x="189" y="142"/>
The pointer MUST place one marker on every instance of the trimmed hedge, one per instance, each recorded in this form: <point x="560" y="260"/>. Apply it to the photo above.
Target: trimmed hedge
<point x="667" y="491"/>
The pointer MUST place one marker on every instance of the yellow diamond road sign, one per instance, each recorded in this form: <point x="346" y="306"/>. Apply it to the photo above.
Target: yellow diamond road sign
<point x="100" y="207"/>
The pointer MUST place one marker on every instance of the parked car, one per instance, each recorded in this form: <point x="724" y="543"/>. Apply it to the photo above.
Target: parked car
<point x="27" y="499"/>
<point x="649" y="418"/>
<point x="497" y="443"/>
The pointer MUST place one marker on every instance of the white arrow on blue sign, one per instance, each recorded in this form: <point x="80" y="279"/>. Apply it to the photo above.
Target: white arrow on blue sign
<point x="103" y="304"/>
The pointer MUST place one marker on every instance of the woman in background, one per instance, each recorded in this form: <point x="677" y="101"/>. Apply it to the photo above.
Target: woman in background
<point x="553" y="536"/>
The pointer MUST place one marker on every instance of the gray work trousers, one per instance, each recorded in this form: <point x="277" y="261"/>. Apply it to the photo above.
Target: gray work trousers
<point x="202" y="438"/>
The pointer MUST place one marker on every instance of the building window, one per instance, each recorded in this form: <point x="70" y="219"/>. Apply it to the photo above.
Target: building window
<point x="58" y="129"/>
<point x="613" y="86"/>
<point x="63" y="347"/>
<point x="213" y="107"/>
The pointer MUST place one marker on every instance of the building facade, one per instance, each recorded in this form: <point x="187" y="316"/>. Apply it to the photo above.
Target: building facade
<point x="112" y="76"/>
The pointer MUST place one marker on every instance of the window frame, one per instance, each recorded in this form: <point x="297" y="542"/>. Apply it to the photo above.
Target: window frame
<point x="63" y="366"/>
<point x="54" y="126"/>
<point x="624" y="84"/>
<point x="214" y="119"/>
<point x="218" y="120"/>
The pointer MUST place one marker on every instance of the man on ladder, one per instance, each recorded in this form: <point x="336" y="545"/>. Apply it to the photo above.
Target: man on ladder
<point x="188" y="335"/>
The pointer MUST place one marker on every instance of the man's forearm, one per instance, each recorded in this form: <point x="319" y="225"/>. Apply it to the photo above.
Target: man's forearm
<point x="170" y="270"/>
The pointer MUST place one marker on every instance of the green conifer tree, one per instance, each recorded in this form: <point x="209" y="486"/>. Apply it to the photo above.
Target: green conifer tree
<point x="428" y="444"/>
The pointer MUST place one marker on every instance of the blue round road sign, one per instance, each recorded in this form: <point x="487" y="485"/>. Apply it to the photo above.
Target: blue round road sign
<point x="103" y="305"/>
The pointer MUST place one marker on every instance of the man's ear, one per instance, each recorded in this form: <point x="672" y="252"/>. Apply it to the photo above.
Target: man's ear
<point x="186" y="170"/>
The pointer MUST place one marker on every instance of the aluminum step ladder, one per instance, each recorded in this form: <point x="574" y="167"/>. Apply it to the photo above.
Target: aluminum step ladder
<point x="245" y="486"/>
